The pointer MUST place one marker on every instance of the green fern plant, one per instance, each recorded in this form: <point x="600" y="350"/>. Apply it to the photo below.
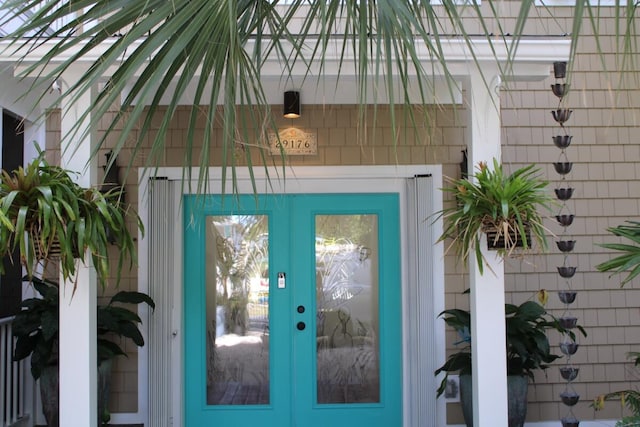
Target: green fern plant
<point x="629" y="258"/>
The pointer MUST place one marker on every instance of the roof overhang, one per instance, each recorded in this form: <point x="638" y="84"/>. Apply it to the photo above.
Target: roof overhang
<point x="335" y="81"/>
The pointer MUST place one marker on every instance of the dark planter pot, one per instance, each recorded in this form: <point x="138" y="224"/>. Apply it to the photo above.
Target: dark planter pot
<point x="52" y="251"/>
<point x="50" y="393"/>
<point x="104" y="389"/>
<point x="562" y="141"/>
<point x="517" y="387"/>
<point x="566" y="245"/>
<point x="565" y="220"/>
<point x="559" y="89"/>
<point x="564" y="193"/>
<point x="560" y="70"/>
<point x="495" y="242"/>
<point x="563" y="168"/>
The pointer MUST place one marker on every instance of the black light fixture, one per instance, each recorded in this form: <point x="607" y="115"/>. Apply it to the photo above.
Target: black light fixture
<point x="111" y="179"/>
<point x="111" y="183"/>
<point x="291" y="104"/>
<point x="464" y="164"/>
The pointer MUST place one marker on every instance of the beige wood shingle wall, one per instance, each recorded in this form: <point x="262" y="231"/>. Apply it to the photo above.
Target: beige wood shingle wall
<point x="606" y="177"/>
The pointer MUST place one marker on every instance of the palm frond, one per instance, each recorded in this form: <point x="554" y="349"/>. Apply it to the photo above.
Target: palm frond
<point x="154" y="53"/>
<point x="629" y="258"/>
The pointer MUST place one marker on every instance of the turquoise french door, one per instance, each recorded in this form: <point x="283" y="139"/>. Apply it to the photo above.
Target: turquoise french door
<point x="292" y="310"/>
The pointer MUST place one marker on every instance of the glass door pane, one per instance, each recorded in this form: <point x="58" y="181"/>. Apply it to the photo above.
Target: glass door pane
<point x="237" y="309"/>
<point x="347" y="321"/>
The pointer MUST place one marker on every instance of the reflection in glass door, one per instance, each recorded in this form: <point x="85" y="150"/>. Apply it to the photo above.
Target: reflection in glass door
<point x="237" y="309"/>
<point x="347" y="324"/>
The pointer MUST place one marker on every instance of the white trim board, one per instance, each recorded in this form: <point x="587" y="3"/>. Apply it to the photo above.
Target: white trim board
<point x="572" y="3"/>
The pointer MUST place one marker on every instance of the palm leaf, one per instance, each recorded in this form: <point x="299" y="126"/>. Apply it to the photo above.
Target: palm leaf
<point x="158" y="48"/>
<point x="629" y="258"/>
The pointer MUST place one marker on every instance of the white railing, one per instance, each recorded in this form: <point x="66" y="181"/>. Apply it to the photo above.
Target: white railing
<point x="13" y="380"/>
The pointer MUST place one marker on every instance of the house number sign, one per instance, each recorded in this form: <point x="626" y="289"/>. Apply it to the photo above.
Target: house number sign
<point x="294" y="142"/>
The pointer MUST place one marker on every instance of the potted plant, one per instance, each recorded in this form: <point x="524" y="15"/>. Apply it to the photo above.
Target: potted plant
<point x="47" y="216"/>
<point x="527" y="348"/>
<point x="35" y="329"/>
<point x="506" y="206"/>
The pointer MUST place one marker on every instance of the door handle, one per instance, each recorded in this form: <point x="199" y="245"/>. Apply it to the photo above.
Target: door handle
<point x="301" y="326"/>
<point x="300" y="309"/>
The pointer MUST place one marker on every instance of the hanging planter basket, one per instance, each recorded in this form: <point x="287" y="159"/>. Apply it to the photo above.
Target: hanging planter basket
<point x="504" y="206"/>
<point x="51" y="250"/>
<point x="49" y="217"/>
<point x="45" y="250"/>
<point x="498" y="240"/>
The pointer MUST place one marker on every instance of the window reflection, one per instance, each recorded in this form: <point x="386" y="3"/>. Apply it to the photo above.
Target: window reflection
<point x="347" y="309"/>
<point x="237" y="310"/>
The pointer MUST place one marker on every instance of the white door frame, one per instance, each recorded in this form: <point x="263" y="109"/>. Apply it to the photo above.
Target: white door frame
<point x="418" y="380"/>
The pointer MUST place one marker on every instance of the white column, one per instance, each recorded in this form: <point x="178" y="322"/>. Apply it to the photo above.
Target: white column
<point x="1" y="130"/>
<point x="487" y="291"/>
<point x="78" y="352"/>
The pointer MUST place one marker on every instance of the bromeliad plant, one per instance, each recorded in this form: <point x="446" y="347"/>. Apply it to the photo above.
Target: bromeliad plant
<point x="492" y="201"/>
<point x="46" y="216"/>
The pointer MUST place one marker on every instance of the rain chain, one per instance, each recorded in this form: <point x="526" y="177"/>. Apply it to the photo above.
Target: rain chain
<point x="565" y="244"/>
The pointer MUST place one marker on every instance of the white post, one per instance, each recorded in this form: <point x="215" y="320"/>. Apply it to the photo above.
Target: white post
<point x="488" y="338"/>
<point x="78" y="348"/>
